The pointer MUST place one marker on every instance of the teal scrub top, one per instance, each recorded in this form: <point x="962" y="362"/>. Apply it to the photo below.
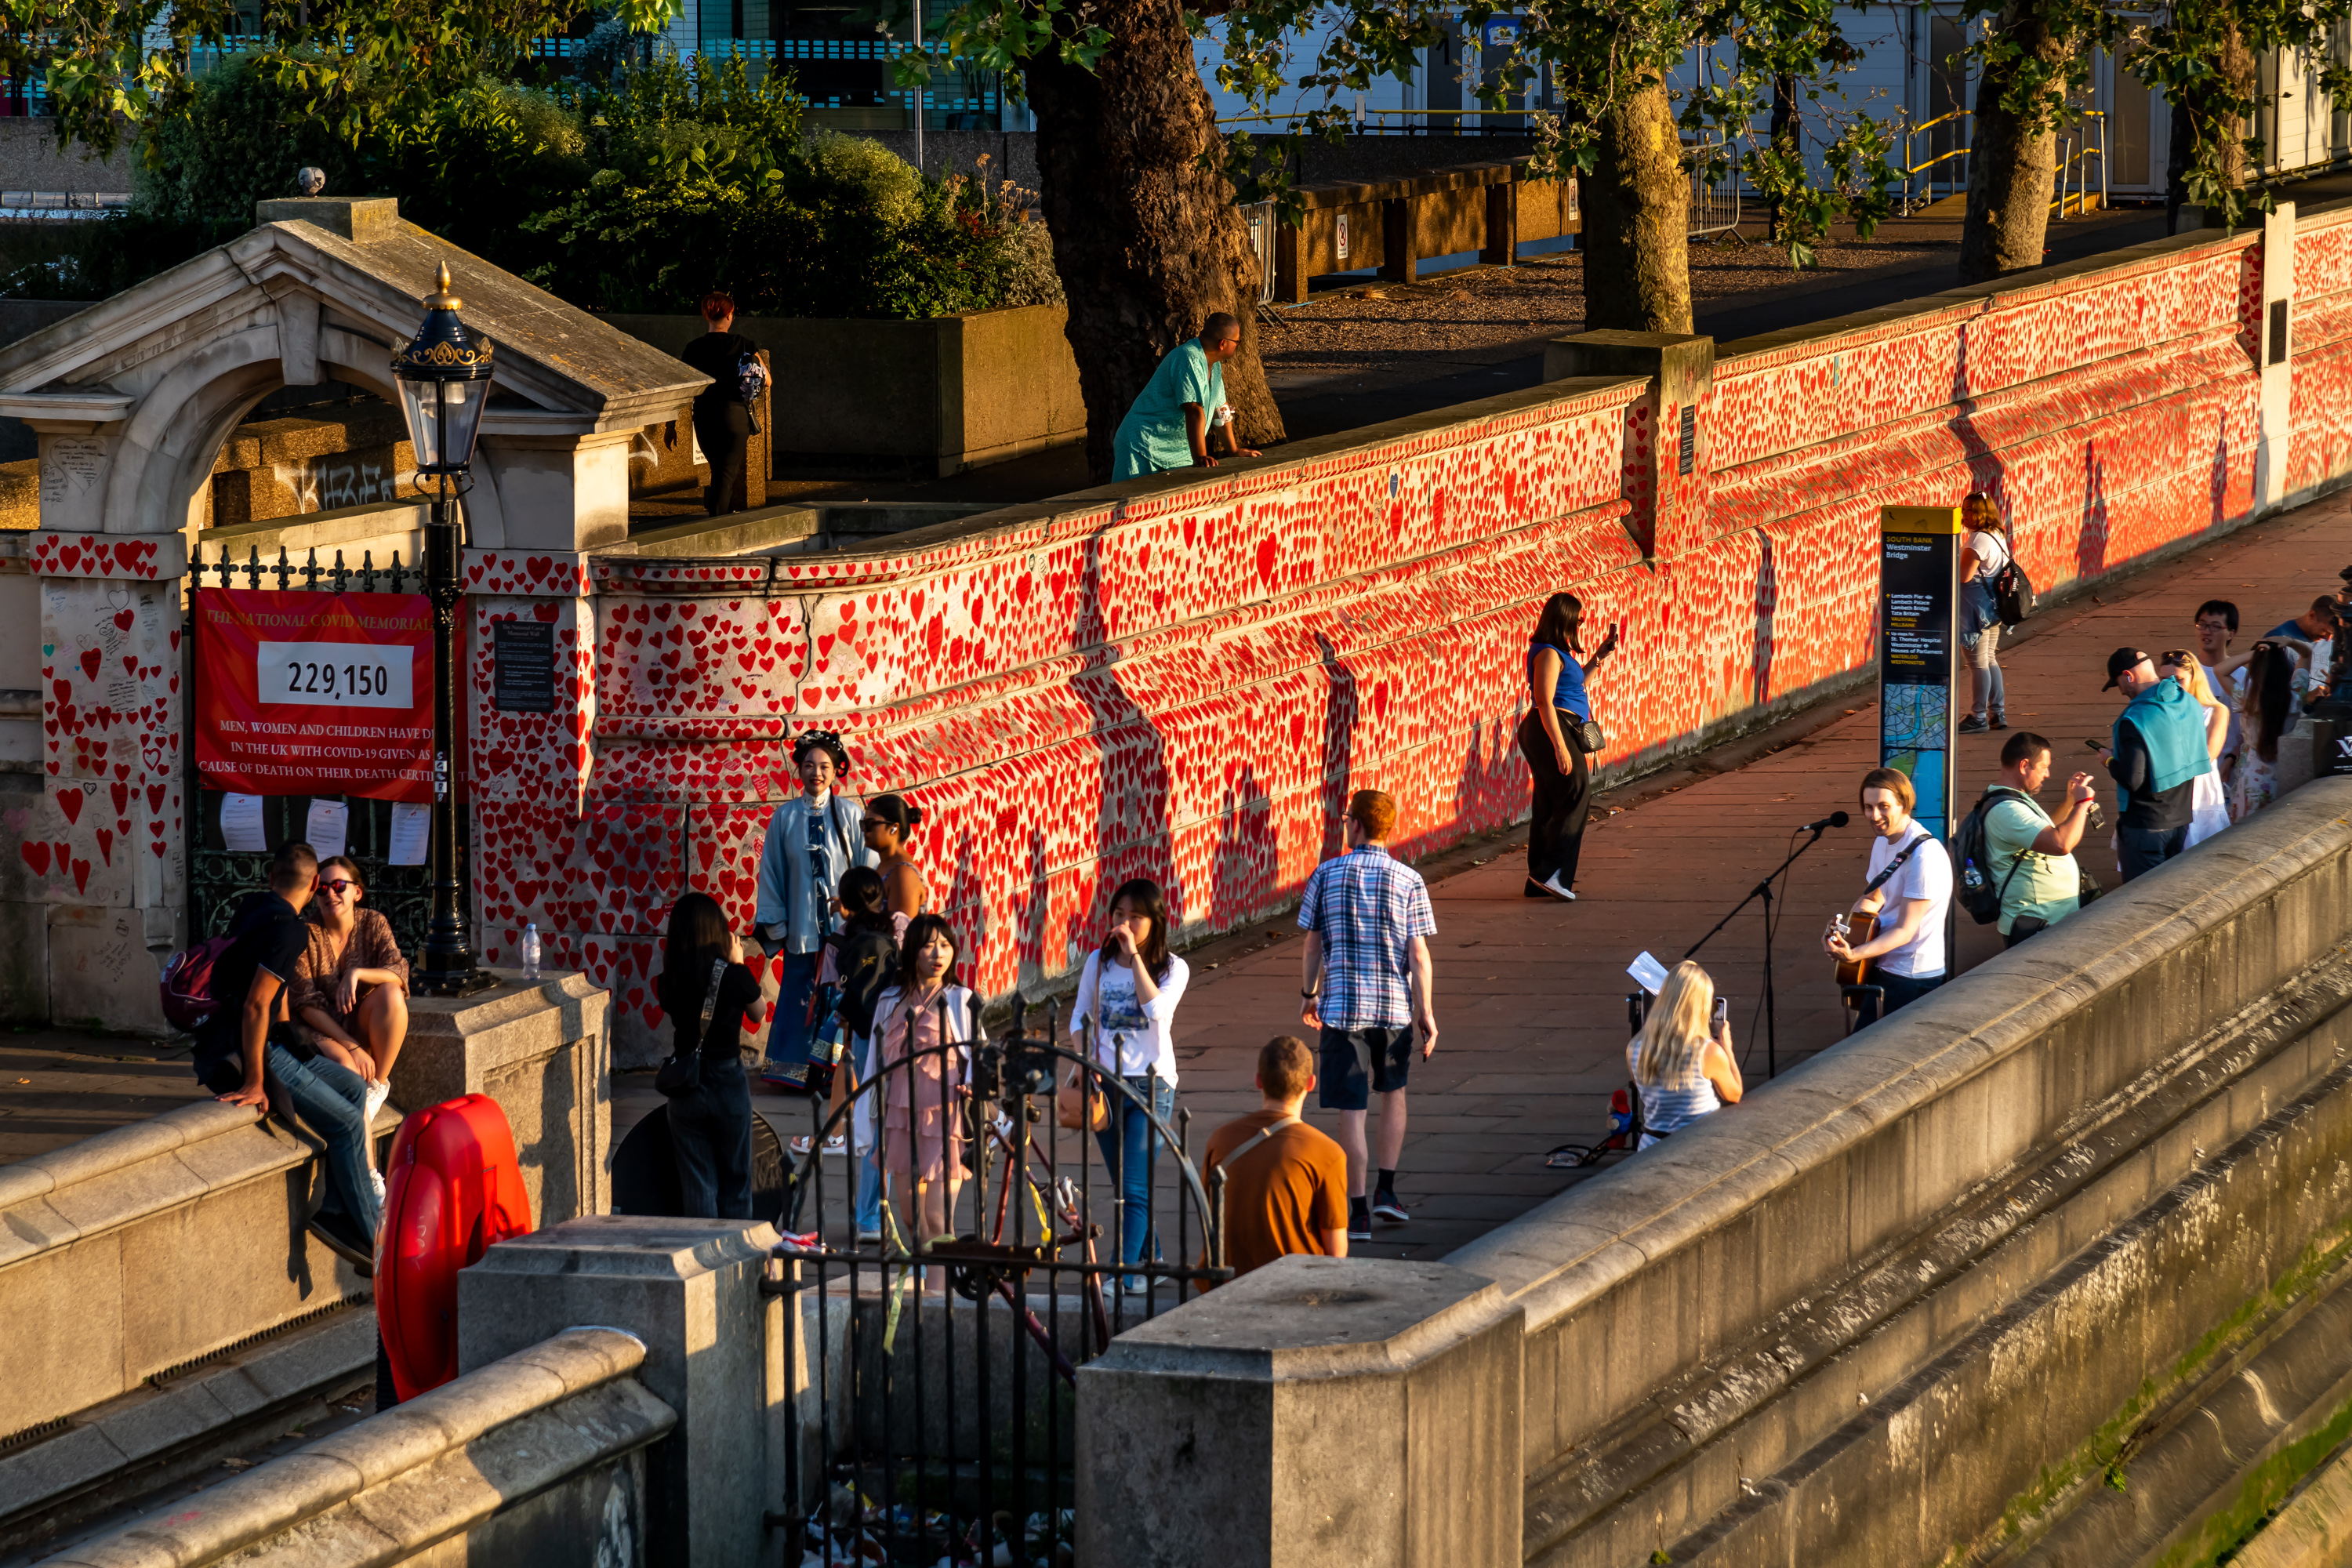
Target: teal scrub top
<point x="1150" y="439"/>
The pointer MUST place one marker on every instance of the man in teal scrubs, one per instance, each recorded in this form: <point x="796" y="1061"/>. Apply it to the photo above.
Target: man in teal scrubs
<point x="1169" y="425"/>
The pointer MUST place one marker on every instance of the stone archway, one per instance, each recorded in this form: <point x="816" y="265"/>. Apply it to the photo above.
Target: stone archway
<point x="131" y="401"/>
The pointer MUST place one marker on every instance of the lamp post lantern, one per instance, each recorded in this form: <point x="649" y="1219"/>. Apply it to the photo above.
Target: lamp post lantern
<point x="444" y="378"/>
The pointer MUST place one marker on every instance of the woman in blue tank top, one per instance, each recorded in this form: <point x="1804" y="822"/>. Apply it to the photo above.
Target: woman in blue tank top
<point x="1556" y="706"/>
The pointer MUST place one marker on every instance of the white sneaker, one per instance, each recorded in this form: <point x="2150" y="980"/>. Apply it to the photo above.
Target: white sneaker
<point x="377" y="1093"/>
<point x="376" y="1178"/>
<point x="1551" y="885"/>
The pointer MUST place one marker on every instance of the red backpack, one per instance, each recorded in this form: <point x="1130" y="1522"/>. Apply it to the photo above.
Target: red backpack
<point x="187" y="983"/>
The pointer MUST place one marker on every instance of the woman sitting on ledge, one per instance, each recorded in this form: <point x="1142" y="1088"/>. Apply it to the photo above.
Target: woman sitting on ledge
<point x="1681" y="1069"/>
<point x="352" y="985"/>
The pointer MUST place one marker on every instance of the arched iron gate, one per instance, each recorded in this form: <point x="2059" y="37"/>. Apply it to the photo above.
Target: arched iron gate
<point x="936" y="1410"/>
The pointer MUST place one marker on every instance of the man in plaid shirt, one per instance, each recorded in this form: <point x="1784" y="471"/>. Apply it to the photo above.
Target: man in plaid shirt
<point x="1366" y="981"/>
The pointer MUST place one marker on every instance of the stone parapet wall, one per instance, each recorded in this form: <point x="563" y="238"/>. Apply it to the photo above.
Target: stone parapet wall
<point x="2047" y="1268"/>
<point x="537" y="1458"/>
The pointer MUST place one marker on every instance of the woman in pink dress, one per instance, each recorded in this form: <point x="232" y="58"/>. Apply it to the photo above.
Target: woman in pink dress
<point x="923" y="1088"/>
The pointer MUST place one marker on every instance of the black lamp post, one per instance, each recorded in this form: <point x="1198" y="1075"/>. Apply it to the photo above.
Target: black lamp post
<point x="444" y="376"/>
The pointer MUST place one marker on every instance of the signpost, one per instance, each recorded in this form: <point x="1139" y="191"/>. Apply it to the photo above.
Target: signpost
<point x="1918" y="645"/>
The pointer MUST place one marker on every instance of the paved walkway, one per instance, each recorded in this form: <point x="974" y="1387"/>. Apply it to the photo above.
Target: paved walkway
<point x="57" y="1087"/>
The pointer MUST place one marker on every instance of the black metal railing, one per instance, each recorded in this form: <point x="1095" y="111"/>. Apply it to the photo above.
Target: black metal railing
<point x="367" y="577"/>
<point x="936" y="1376"/>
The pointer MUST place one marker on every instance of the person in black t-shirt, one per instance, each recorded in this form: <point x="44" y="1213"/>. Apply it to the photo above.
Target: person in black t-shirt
<point x="245" y="1058"/>
<point x="863" y="957"/>
<point x="710" y="1124"/>
<point x="723" y="420"/>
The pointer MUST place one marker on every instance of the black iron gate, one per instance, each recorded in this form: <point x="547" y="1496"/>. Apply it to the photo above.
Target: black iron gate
<point x="220" y="877"/>
<point x="938" y="1417"/>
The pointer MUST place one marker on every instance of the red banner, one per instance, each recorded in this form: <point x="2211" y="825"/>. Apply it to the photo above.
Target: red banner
<point x="302" y="693"/>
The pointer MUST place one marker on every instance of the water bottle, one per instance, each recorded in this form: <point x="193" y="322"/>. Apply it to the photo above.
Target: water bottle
<point x="531" y="951"/>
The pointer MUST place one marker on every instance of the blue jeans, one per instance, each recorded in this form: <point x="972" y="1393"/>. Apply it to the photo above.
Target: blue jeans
<point x="788" y="1036"/>
<point x="1900" y="990"/>
<point x="1130" y="1152"/>
<point x="869" y="1190"/>
<point x="2145" y="849"/>
<point x="332" y="1100"/>
<point x="711" y="1130"/>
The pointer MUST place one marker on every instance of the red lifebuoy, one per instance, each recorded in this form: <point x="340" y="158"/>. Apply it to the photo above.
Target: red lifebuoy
<point x="452" y="1189"/>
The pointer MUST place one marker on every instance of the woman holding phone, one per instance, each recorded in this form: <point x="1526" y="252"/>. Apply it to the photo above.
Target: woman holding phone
<point x="1549" y="737"/>
<point x="1682" y="1061"/>
<point x="1127" y="1001"/>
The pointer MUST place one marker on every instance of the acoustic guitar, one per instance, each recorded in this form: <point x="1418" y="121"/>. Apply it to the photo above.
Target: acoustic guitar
<point x="1858" y="928"/>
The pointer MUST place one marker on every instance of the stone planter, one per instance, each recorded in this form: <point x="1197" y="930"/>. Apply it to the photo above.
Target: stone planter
<point x="930" y="398"/>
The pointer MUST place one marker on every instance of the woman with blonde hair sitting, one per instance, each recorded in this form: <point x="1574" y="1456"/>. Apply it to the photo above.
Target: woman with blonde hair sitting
<point x="1681" y="1062"/>
<point x="2209" y="799"/>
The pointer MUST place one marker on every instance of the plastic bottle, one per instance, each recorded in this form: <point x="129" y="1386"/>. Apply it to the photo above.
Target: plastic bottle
<point x="531" y="951"/>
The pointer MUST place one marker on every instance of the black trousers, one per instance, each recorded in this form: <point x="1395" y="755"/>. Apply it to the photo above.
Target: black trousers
<point x="726" y="441"/>
<point x="711" y="1130"/>
<point x="1563" y="801"/>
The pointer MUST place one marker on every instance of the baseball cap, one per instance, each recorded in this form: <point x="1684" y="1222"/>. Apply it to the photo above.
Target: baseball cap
<point x="2123" y="658"/>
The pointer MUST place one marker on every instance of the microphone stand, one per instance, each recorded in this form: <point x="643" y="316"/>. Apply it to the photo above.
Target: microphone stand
<point x="1763" y="890"/>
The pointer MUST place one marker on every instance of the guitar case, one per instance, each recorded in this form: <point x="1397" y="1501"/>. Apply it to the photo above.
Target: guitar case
<point x="453" y="1189"/>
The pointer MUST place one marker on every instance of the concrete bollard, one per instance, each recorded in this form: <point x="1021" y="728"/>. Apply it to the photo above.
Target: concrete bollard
<point x="1318" y="1413"/>
<point x="690" y="1290"/>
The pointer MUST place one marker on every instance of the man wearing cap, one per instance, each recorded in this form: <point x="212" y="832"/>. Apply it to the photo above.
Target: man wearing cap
<point x="811" y="842"/>
<point x="2159" y="750"/>
<point x="1169" y="425"/>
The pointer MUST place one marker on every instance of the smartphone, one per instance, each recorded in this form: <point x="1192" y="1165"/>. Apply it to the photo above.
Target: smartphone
<point x="1722" y="1011"/>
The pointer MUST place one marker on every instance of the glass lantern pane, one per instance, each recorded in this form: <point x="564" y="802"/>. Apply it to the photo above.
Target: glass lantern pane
<point x="420" y="405"/>
<point x="461" y="414"/>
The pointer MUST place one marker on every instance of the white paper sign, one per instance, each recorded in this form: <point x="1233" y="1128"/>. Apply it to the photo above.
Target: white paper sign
<point x="409" y="826"/>
<point x="1649" y="972"/>
<point x="241" y="822"/>
<point x="329" y="830"/>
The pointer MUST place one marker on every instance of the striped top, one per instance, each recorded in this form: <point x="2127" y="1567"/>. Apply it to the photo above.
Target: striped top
<point x="1670" y="1107"/>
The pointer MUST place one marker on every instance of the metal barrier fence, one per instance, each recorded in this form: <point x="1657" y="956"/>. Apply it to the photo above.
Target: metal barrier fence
<point x="953" y="1275"/>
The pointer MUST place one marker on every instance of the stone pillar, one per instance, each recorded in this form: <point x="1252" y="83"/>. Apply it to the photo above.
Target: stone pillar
<point x="544" y="1052"/>
<point x="2275" y="341"/>
<point x="1318" y="1413"/>
<point x="1398" y="262"/>
<point x="1501" y="249"/>
<point x="691" y="1290"/>
<point x="560" y="489"/>
<point x="1665" y="457"/>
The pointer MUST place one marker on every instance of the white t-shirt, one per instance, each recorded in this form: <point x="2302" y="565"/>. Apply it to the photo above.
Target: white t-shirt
<point x="1131" y="1036"/>
<point x="1926" y="875"/>
<point x="1992" y="554"/>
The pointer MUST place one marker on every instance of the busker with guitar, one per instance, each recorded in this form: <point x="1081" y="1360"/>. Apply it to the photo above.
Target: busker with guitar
<point x="1911" y="881"/>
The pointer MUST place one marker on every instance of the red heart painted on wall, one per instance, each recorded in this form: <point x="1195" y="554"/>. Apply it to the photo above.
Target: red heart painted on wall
<point x="82" y="875"/>
<point x="37" y="856"/>
<point x="89" y="663"/>
<point x="69" y="802"/>
<point x="122" y="797"/>
<point x="105" y="845"/>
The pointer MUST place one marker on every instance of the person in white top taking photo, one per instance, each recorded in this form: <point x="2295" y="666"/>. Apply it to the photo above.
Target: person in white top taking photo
<point x="1127" y="1001"/>
<point x="1910" y="891"/>
<point x="1983" y="553"/>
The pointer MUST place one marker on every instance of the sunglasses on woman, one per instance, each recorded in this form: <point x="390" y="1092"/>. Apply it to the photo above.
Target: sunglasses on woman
<point x="339" y="885"/>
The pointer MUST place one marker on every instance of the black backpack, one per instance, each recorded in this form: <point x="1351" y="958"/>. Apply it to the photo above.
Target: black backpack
<point x="1973" y="852"/>
<point x="2012" y="591"/>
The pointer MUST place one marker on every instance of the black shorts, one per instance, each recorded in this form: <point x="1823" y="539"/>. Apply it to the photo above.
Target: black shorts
<point x="1344" y="1084"/>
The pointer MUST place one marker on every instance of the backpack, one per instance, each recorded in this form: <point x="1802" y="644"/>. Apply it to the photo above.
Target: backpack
<point x="2012" y="592"/>
<point x="1973" y="851"/>
<point x="750" y="376"/>
<point x="187" y="983"/>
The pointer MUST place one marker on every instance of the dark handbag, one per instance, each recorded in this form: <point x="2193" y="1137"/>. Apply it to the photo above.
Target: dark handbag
<point x="828" y="1037"/>
<point x="1589" y="737"/>
<point x="2090" y="888"/>
<point x="682" y="1074"/>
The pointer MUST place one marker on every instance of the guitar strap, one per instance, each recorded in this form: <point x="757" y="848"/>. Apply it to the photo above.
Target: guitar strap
<point x="1894" y="865"/>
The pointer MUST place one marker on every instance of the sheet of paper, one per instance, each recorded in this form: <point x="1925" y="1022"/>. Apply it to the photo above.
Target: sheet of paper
<point x="1649" y="972"/>
<point x="329" y="828"/>
<point x="241" y="822"/>
<point x="409" y="824"/>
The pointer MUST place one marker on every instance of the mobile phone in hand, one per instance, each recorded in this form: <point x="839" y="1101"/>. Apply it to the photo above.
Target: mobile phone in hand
<point x="1722" y="1011"/>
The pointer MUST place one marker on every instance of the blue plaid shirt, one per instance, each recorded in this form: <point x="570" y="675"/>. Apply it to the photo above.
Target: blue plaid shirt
<point x="1367" y="908"/>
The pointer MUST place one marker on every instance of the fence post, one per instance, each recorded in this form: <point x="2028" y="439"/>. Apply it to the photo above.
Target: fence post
<point x="1398" y="263"/>
<point x="1289" y="278"/>
<point x="1501" y="249"/>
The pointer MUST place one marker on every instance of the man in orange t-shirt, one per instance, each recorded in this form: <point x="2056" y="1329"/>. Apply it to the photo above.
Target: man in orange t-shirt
<point x="1286" y="1184"/>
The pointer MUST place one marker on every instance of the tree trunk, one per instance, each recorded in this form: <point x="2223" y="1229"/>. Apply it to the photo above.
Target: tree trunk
<point x="2013" y="157"/>
<point x="1637" y="220"/>
<point x="1147" y="243"/>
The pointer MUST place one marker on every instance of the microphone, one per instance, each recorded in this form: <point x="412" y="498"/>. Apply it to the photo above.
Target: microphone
<point x="1835" y="819"/>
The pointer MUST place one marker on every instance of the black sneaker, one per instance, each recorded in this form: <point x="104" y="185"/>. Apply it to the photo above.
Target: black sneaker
<point x="1971" y="725"/>
<point x="1360" y="1221"/>
<point x="1385" y="1205"/>
<point x="344" y="1237"/>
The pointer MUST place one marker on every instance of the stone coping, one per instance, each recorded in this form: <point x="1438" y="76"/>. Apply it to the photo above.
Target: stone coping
<point x="120" y="1177"/>
<point x="1562" y="1258"/>
<point x="241" y="1515"/>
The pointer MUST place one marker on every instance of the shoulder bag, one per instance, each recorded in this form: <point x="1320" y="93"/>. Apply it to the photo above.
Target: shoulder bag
<point x="1077" y="1107"/>
<point x="682" y="1074"/>
<point x="1589" y="737"/>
